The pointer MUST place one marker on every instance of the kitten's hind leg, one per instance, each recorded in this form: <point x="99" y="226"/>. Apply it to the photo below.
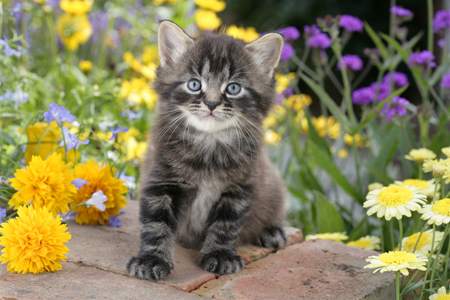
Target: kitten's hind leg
<point x="273" y="237"/>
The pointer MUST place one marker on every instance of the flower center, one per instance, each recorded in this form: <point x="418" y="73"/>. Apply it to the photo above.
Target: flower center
<point x="443" y="297"/>
<point x="361" y="244"/>
<point x="442" y="207"/>
<point x="395" y="196"/>
<point x="397" y="258"/>
<point x="422" y="184"/>
<point x="411" y="241"/>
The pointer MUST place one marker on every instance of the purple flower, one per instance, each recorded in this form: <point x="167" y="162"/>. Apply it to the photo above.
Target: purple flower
<point x="382" y="91"/>
<point x="352" y="62"/>
<point x="114" y="221"/>
<point x="290" y="33"/>
<point x="446" y="81"/>
<point x="72" y="141"/>
<point x="2" y="214"/>
<point x="422" y="59"/>
<point x="18" y="97"/>
<point x="10" y="51"/>
<point x="287" y="52"/>
<point x="396" y="107"/>
<point x="363" y="96"/>
<point x="441" y="43"/>
<point x="351" y="23"/>
<point x="131" y="115"/>
<point x="441" y="20"/>
<point x="288" y="92"/>
<point x="399" y="79"/>
<point x="401" y="12"/>
<point x="116" y="132"/>
<point x="58" y="114"/>
<point x="78" y="183"/>
<point x="321" y="40"/>
<point x="15" y="11"/>
<point x="310" y="31"/>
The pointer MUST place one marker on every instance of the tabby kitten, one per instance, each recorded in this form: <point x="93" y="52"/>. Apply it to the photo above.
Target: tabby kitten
<point x="206" y="180"/>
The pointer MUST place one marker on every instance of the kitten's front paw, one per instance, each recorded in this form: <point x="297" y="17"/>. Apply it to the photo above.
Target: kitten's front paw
<point x="148" y="267"/>
<point x="222" y="262"/>
<point x="273" y="237"/>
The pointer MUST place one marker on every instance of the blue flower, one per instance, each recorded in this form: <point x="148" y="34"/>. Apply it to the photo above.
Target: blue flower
<point x="72" y="141"/>
<point x="114" y="221"/>
<point x="58" y="114"/>
<point x="78" y="182"/>
<point x="15" y="11"/>
<point x="10" y="51"/>
<point x="2" y="214"/>
<point x="116" y="132"/>
<point x="131" y="115"/>
<point x="18" y="96"/>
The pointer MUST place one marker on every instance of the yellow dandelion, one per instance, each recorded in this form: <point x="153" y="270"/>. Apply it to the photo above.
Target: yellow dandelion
<point x="394" y="201"/>
<point x="283" y="81"/>
<point x="270" y="121"/>
<point x="134" y="149"/>
<point x="425" y="187"/>
<point x="420" y="155"/>
<point x="368" y="242"/>
<point x="100" y="177"/>
<point x="298" y="102"/>
<point x="397" y="261"/>
<point x="374" y="186"/>
<point x="85" y="66"/>
<point x="437" y="213"/>
<point x="207" y="20"/>
<point x="76" y="7"/>
<point x="214" y="5"/>
<point x="150" y="55"/>
<point x="324" y="126"/>
<point x="338" y="237"/>
<point x="44" y="183"/>
<point x="138" y="92"/>
<point x="149" y="71"/>
<point x="440" y="295"/>
<point x="42" y="139"/>
<point x="425" y="242"/>
<point x="247" y="35"/>
<point x="271" y="137"/>
<point x="360" y="140"/>
<point x="74" y="30"/>
<point x="34" y="241"/>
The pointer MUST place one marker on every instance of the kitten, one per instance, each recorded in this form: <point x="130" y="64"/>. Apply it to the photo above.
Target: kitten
<point x="206" y="180"/>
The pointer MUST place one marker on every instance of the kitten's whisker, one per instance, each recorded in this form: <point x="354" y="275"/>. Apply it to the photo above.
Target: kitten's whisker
<point x="179" y="123"/>
<point x="168" y="126"/>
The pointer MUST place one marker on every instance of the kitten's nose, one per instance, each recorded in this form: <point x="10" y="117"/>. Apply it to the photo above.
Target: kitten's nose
<point x="212" y="104"/>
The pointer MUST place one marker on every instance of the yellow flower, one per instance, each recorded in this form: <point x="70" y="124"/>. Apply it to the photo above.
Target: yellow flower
<point x="424" y="244"/>
<point x="135" y="149"/>
<point x="149" y="71"/>
<point x="446" y="151"/>
<point x="44" y="183"/>
<point x="272" y="138"/>
<point x="44" y="137"/>
<point x="161" y="2"/>
<point x="128" y="57"/>
<point x="394" y="201"/>
<point x="439" y="167"/>
<point x="343" y="153"/>
<point x="368" y="242"/>
<point x="338" y="237"/>
<point x="40" y="1"/>
<point x="150" y="55"/>
<point x="420" y="155"/>
<point x="76" y="7"/>
<point x="100" y="177"/>
<point x="214" y="5"/>
<point x="138" y="91"/>
<point x="426" y="187"/>
<point x="247" y="35"/>
<point x="85" y="66"/>
<point x="298" y="102"/>
<point x="361" y="141"/>
<point x="324" y="126"/>
<point x="74" y="30"/>
<point x="34" y="241"/>
<point x="207" y="20"/>
<point x="283" y="81"/>
<point x="374" y="186"/>
<point x="440" y="295"/>
<point x="437" y="213"/>
<point x="397" y="261"/>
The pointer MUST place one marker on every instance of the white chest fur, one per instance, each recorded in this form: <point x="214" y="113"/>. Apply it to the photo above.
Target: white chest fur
<point x="207" y="195"/>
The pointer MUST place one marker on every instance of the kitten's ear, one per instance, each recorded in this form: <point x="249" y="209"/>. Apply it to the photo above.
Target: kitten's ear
<point x="172" y="42"/>
<point x="267" y="50"/>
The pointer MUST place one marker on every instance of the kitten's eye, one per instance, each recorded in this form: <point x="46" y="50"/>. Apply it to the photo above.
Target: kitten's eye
<point x="233" y="89"/>
<point x="194" y="85"/>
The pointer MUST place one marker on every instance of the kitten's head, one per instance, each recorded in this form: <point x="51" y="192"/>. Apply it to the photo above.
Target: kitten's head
<point x="216" y="82"/>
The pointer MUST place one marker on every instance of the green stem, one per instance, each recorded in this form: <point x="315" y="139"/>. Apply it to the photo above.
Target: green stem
<point x="420" y="235"/>
<point x="64" y="140"/>
<point x="355" y="158"/>
<point x="420" y="172"/>
<point x="409" y="281"/>
<point x="381" y="235"/>
<point x="429" y="262"/>
<point x="391" y="234"/>
<point x="430" y="25"/>
<point x="400" y="228"/>
<point x="397" y="285"/>
<point x="446" y="261"/>
<point x="54" y="42"/>
<point x="438" y="180"/>
<point x="441" y="244"/>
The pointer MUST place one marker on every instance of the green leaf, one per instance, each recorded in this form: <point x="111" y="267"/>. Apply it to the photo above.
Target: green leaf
<point x="439" y="72"/>
<point x="388" y="148"/>
<point x="326" y="162"/>
<point x="360" y="230"/>
<point x="380" y="175"/>
<point x="376" y="40"/>
<point x="400" y="49"/>
<point x="328" y="218"/>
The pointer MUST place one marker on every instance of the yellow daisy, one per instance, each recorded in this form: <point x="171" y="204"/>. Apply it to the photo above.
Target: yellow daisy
<point x="397" y="261"/>
<point x="283" y="81"/>
<point x="420" y="155"/>
<point x="74" y="30"/>
<point x="368" y="242"/>
<point x="440" y="295"/>
<point x="247" y="35"/>
<point x="150" y="55"/>
<point x="138" y="92"/>
<point x="207" y="20"/>
<point x="214" y="5"/>
<point x="424" y="244"/>
<point x="338" y="237"/>
<point x="437" y="213"/>
<point x="394" y="201"/>
<point x="298" y="102"/>
<point x="44" y="183"/>
<point x="34" y="241"/>
<point x="426" y="187"/>
<point x="76" y="7"/>
<point x="360" y="140"/>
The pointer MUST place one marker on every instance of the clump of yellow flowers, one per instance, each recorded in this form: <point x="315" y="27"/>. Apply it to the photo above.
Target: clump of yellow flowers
<point x="73" y="26"/>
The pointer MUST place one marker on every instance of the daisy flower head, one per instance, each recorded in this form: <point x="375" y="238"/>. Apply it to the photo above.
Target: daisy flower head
<point x="397" y="261"/>
<point x="420" y="155"/>
<point x="440" y="168"/>
<point x="394" y="201"/>
<point x="104" y="192"/>
<point x="426" y="186"/>
<point x="440" y="295"/>
<point x="437" y="213"/>
<point x="368" y="242"/>
<point x="44" y="183"/>
<point x="424" y="243"/>
<point x="34" y="241"/>
<point x="338" y="237"/>
<point x="375" y="186"/>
